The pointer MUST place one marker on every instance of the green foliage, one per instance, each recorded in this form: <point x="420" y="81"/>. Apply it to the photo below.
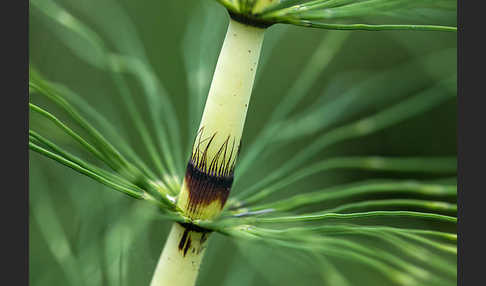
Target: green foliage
<point x="350" y="179"/>
<point x="377" y="15"/>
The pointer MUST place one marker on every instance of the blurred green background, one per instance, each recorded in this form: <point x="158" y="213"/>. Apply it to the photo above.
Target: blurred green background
<point x="81" y="233"/>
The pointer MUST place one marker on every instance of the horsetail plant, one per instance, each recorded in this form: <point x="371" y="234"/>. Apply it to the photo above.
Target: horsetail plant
<point x="197" y="198"/>
<point x="209" y="174"/>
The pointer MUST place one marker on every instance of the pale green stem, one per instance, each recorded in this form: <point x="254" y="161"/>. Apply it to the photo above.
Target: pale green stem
<point x="230" y="91"/>
<point x="221" y="128"/>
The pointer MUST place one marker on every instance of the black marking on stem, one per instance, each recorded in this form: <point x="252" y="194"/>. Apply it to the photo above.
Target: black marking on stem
<point x="186" y="242"/>
<point x="204" y="237"/>
<point x="250" y="20"/>
<point x="183" y="240"/>
<point x="188" y="245"/>
<point x="195" y="228"/>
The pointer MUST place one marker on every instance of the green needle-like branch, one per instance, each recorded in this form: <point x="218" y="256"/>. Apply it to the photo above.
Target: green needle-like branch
<point x="372" y="214"/>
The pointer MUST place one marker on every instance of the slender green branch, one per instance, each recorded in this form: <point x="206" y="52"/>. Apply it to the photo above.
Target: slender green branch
<point x="90" y="148"/>
<point x="298" y="237"/>
<point x="140" y="125"/>
<point x="372" y="163"/>
<point x="128" y="191"/>
<point x="367" y="187"/>
<point x="154" y="93"/>
<point x="419" y="273"/>
<point x="108" y="128"/>
<point x="317" y="63"/>
<point x="108" y="150"/>
<point x="395" y="114"/>
<point x="434" y="206"/>
<point x="426" y="237"/>
<point x="411" y="251"/>
<point x="391" y="272"/>
<point x="325" y="113"/>
<point x="63" y="153"/>
<point x="163" y="201"/>
<point x="121" y="63"/>
<point x="369" y="27"/>
<point x="372" y="214"/>
<point x="412" y="234"/>
<point x="437" y="245"/>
